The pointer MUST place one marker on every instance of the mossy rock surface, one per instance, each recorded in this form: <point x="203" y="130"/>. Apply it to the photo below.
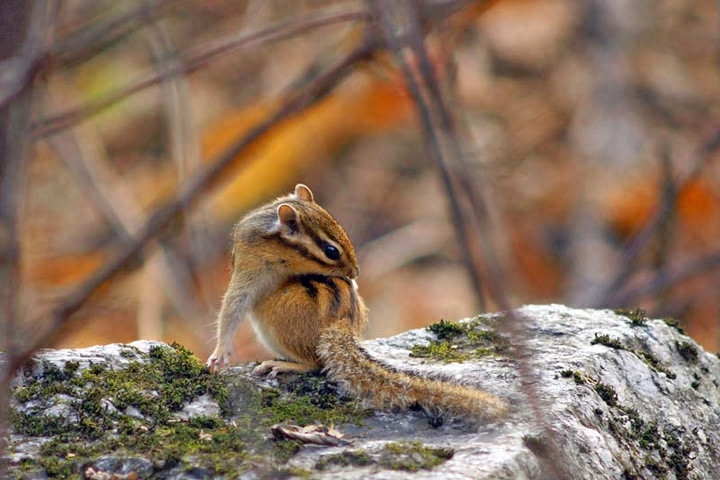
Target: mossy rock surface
<point x="614" y="385"/>
<point x="157" y="410"/>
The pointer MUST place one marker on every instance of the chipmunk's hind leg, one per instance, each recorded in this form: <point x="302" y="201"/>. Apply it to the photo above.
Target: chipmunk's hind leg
<point x="273" y="367"/>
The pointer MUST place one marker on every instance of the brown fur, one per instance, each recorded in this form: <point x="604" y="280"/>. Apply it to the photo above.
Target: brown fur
<point x="293" y="276"/>
<point x="382" y="387"/>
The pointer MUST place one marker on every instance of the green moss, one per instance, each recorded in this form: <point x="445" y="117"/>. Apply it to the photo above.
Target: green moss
<point x="671" y="322"/>
<point x="293" y="472"/>
<point x="655" y="467"/>
<point x="645" y="433"/>
<point x="636" y="316"/>
<point x="681" y="456"/>
<point x="285" y="449"/>
<point x="460" y="342"/>
<point x="604" y="339"/>
<point x="22" y="395"/>
<point x="358" y="458"/>
<point x="647" y="357"/>
<point x="407" y="456"/>
<point x="106" y="404"/>
<point x="129" y="352"/>
<point x="578" y="377"/>
<point x="688" y="351"/>
<point x="310" y="398"/>
<point x="56" y="467"/>
<point x="304" y="410"/>
<point x="655" y="364"/>
<point x="413" y="456"/>
<point x="71" y="367"/>
<point x="663" y="446"/>
<point x="491" y="337"/>
<point x="607" y="393"/>
<point x="38" y="425"/>
<point x="52" y="373"/>
<point x="445" y="330"/>
<point x="440" y="350"/>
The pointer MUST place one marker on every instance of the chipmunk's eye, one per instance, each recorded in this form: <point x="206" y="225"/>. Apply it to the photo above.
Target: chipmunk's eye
<point x="330" y="252"/>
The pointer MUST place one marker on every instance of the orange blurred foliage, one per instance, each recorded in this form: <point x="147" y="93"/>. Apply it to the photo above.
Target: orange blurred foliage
<point x="363" y="105"/>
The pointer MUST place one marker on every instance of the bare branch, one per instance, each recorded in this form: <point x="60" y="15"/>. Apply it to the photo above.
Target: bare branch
<point x="87" y="41"/>
<point x="296" y="102"/>
<point x="469" y="238"/>
<point x="195" y="60"/>
<point x="666" y="229"/>
<point x="637" y="244"/>
<point x="115" y="203"/>
<point x="434" y="144"/>
<point x="668" y="278"/>
<point x="90" y="179"/>
<point x="185" y="154"/>
<point x="26" y="28"/>
<point x="20" y="64"/>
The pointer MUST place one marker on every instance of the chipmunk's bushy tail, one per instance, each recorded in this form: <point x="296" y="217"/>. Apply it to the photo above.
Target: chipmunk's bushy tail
<point x="383" y="387"/>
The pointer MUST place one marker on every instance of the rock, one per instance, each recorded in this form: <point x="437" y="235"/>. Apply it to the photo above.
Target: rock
<point x="118" y="467"/>
<point x="623" y="397"/>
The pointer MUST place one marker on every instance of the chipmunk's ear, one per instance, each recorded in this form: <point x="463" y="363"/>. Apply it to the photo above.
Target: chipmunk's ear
<point x="303" y="193"/>
<point x="288" y="218"/>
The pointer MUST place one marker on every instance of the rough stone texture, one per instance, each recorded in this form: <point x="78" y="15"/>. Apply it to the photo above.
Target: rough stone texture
<point x="624" y="398"/>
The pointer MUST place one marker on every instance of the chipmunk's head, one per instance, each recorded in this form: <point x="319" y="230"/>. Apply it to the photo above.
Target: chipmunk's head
<point x="315" y="241"/>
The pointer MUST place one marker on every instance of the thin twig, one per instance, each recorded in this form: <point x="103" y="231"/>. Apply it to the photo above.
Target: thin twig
<point x="512" y="323"/>
<point x="665" y="230"/>
<point x="67" y="148"/>
<point x="669" y="277"/>
<point x="20" y="67"/>
<point x="195" y="60"/>
<point x="75" y="47"/>
<point x="448" y="128"/>
<point x="295" y="103"/>
<point x="115" y="203"/>
<point x="88" y="40"/>
<point x="185" y="152"/>
<point x="36" y="21"/>
<point x="467" y="236"/>
<point x="668" y="202"/>
<point x="425" y="116"/>
<point x="173" y="272"/>
<point x="15" y="118"/>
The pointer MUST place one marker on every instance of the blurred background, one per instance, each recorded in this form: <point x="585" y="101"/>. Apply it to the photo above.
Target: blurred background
<point x="581" y="122"/>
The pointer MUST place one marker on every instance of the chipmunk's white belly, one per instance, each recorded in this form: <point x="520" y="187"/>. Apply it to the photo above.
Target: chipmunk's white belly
<point x="257" y="287"/>
<point x="266" y="337"/>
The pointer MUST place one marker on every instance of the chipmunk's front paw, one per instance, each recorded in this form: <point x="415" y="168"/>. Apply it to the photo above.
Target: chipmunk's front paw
<point x="217" y="362"/>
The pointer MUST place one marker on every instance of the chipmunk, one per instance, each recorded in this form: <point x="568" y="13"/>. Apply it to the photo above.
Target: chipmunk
<point x="293" y="276"/>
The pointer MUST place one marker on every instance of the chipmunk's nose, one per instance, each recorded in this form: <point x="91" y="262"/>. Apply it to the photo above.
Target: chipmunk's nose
<point x="354" y="272"/>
